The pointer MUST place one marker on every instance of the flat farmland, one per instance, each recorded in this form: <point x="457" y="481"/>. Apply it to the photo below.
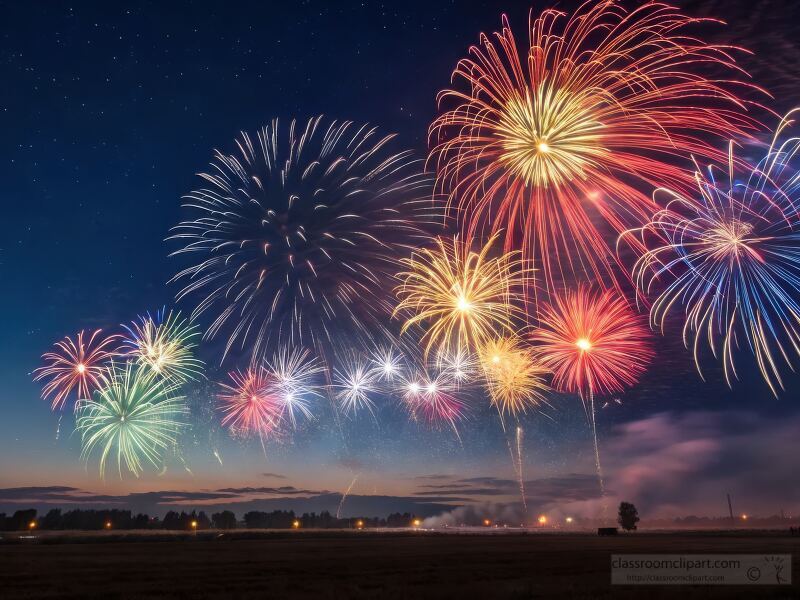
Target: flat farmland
<point x="364" y="564"/>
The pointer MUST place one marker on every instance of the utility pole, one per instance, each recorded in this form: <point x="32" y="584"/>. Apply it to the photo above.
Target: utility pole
<point x="730" y="509"/>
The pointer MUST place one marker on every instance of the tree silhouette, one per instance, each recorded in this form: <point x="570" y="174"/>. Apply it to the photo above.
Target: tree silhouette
<point x="628" y="516"/>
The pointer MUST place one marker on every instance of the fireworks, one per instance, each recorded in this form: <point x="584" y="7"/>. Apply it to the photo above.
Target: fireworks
<point x="431" y="400"/>
<point x="251" y="404"/>
<point x="76" y="366"/>
<point x="515" y="377"/>
<point x="542" y="138"/>
<point x="592" y="342"/>
<point x="462" y="297"/>
<point x="731" y="257"/>
<point x="388" y="364"/>
<point x="355" y="383"/>
<point x="296" y="235"/>
<point x="295" y="373"/>
<point x="165" y="345"/>
<point x="135" y="417"/>
<point x="459" y="366"/>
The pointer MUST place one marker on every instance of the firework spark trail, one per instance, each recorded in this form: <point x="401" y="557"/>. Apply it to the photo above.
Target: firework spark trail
<point x="344" y="496"/>
<point x="295" y="236"/>
<point x="729" y="254"/>
<point x="516" y="461"/>
<point x="543" y="139"/>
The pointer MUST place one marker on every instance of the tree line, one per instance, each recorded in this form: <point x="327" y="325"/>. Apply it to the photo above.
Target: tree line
<point x="91" y="519"/>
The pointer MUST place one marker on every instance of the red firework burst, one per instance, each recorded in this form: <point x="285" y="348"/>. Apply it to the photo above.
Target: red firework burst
<point x="76" y="365"/>
<point x="251" y="405"/>
<point x="592" y="342"/>
<point x="547" y="140"/>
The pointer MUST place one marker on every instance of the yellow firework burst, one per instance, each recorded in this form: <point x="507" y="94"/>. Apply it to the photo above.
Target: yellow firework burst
<point x="461" y="297"/>
<point x="514" y="375"/>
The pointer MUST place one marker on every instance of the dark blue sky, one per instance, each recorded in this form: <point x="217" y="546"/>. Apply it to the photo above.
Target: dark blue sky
<point x="107" y="111"/>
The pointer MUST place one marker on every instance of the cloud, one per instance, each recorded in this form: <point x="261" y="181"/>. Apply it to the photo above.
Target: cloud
<point x="274" y="476"/>
<point x="239" y="500"/>
<point x="286" y="490"/>
<point x="673" y="464"/>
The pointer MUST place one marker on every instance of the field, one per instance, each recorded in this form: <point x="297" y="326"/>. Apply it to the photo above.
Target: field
<point x="365" y="564"/>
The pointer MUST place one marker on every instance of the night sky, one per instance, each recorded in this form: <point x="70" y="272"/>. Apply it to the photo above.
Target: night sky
<point x="108" y="111"/>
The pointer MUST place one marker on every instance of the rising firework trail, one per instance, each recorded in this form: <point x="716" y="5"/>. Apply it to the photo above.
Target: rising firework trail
<point x="294" y="237"/>
<point x="516" y="462"/>
<point x="593" y="344"/>
<point x="729" y="255"/>
<point x="544" y="137"/>
<point x="344" y="496"/>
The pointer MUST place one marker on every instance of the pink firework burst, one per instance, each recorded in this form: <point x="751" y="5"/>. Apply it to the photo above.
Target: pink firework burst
<point x="251" y="404"/>
<point x="431" y="400"/>
<point x="76" y="366"/>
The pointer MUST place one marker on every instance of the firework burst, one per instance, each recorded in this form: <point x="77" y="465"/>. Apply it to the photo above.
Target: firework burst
<point x="730" y="255"/>
<point x="460" y="296"/>
<point x="165" y="344"/>
<point x="542" y="139"/>
<point x="296" y="235"/>
<point x="133" y="419"/>
<point x="431" y="400"/>
<point x="76" y="366"/>
<point x="355" y="384"/>
<point x="251" y="404"/>
<point x="592" y="342"/>
<point x="295" y="374"/>
<point x="515" y="377"/>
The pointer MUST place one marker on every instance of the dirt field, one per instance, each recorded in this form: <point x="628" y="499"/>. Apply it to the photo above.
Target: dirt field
<point x="365" y="564"/>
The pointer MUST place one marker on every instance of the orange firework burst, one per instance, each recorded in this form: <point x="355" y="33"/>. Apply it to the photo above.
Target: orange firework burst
<point x="514" y="375"/>
<point x="76" y="365"/>
<point x="543" y="139"/>
<point x="593" y="342"/>
<point x="463" y="297"/>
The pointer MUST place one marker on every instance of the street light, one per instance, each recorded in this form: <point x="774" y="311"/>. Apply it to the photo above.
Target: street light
<point x="542" y="520"/>
<point x="108" y="525"/>
<point x="359" y="524"/>
<point x="32" y="525"/>
<point x="296" y="524"/>
<point x="194" y="527"/>
<point x="416" y="523"/>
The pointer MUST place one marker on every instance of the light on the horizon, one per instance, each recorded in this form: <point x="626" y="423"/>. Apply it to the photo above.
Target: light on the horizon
<point x="542" y="520"/>
<point x="296" y="524"/>
<point x="569" y="519"/>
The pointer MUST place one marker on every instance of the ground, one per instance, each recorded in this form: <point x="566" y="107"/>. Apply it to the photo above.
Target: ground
<point x="365" y="564"/>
